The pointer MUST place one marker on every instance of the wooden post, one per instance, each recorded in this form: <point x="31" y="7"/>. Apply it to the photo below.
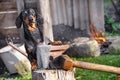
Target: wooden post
<point x="44" y="8"/>
<point x="53" y="75"/>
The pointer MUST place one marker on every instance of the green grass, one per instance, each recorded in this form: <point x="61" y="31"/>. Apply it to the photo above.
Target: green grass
<point x="111" y="60"/>
<point x="17" y="77"/>
<point x="112" y="34"/>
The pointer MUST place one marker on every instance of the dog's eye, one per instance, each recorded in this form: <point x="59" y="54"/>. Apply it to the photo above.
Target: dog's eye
<point x="24" y="14"/>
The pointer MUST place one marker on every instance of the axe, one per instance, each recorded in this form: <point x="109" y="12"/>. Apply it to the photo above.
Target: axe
<point x="66" y="63"/>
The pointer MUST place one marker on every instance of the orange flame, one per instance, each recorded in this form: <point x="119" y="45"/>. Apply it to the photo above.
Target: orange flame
<point x="97" y="35"/>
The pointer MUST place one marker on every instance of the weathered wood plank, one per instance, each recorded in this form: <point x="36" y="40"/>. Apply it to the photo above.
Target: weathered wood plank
<point x="83" y="12"/>
<point x="53" y="11"/>
<point x="69" y="12"/>
<point x="100" y="12"/>
<point x="8" y="19"/>
<point x="75" y="14"/>
<point x="11" y="5"/>
<point x="97" y="14"/>
<point x="60" y="11"/>
<point x="20" y="5"/>
<point x="84" y="16"/>
<point x="45" y="12"/>
<point x="64" y="12"/>
<point x="30" y="4"/>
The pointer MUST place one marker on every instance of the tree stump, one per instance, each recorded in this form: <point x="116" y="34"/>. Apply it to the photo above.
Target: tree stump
<point x="53" y="75"/>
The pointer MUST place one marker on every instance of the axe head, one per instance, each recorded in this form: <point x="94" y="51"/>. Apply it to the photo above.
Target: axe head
<point x="63" y="62"/>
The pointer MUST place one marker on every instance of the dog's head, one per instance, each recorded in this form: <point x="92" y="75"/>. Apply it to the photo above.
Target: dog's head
<point x="30" y="18"/>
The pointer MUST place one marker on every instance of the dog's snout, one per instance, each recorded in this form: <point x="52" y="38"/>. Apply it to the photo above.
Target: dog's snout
<point x="30" y="18"/>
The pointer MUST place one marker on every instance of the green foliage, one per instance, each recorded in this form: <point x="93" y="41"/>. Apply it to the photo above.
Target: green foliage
<point x="115" y="26"/>
<point x="111" y="60"/>
<point x="109" y="21"/>
<point x="111" y="34"/>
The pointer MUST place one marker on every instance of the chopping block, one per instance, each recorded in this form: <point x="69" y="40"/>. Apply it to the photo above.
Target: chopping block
<point x="66" y="63"/>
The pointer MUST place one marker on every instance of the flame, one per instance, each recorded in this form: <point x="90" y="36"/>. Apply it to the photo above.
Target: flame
<point x="99" y="36"/>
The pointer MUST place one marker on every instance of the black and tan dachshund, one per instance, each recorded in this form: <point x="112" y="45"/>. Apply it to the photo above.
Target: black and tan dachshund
<point x="32" y="25"/>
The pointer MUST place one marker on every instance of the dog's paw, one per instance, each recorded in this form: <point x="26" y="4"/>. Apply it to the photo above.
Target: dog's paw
<point x="33" y="65"/>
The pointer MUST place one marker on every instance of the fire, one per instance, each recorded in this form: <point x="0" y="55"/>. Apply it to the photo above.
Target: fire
<point x="99" y="36"/>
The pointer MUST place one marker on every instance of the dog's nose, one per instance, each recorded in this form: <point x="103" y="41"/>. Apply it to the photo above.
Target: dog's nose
<point x="31" y="18"/>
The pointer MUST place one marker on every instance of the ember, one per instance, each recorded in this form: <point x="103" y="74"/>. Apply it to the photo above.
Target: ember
<point x="99" y="36"/>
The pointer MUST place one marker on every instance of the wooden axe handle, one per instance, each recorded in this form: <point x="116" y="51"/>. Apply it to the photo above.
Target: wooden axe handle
<point x="99" y="67"/>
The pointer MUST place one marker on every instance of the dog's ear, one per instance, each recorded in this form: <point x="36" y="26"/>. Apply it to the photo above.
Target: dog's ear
<point x="39" y="19"/>
<point x="19" y="21"/>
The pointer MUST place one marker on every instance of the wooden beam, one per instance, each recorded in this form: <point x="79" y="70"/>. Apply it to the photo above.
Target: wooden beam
<point x="44" y="7"/>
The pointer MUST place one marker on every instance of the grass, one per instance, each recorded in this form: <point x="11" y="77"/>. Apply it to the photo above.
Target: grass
<point x="83" y="74"/>
<point x="111" y="60"/>
<point x="112" y="34"/>
<point x="7" y="76"/>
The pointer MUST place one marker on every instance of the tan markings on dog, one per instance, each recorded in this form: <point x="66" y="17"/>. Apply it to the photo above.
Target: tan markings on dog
<point x="34" y="64"/>
<point x="32" y="27"/>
